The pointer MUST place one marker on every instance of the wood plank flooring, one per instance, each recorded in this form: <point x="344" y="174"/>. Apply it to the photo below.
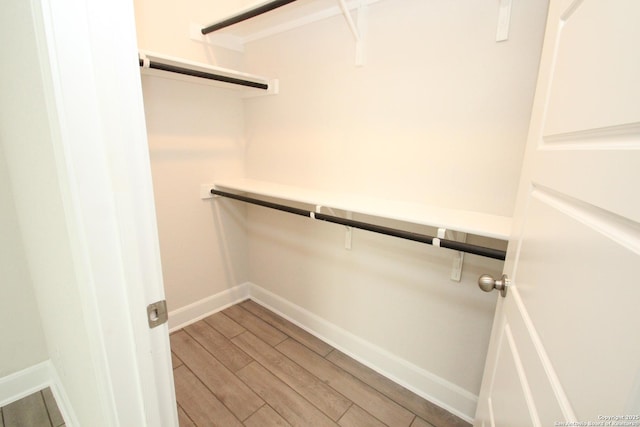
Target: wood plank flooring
<point x="36" y="410"/>
<point x="246" y="366"/>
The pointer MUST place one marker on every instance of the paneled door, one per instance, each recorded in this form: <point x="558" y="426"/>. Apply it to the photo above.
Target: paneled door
<point x="565" y="346"/>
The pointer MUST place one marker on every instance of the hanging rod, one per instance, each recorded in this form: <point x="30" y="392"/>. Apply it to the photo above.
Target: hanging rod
<point x="408" y="235"/>
<point x="245" y="15"/>
<point x="204" y="75"/>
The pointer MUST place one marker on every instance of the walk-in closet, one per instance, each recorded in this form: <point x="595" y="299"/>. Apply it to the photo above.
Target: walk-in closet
<point x="319" y="212"/>
<point x="403" y="115"/>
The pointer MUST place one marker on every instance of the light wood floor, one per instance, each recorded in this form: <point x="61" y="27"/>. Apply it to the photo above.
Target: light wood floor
<point x="246" y="366"/>
<point x="36" y="410"/>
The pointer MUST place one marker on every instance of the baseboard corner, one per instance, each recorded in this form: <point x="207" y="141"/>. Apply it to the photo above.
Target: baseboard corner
<point x="20" y="384"/>
<point x="31" y="380"/>
<point x="200" y="309"/>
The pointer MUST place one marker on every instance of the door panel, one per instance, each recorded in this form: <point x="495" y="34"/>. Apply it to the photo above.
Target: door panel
<point x="570" y="315"/>
<point x="565" y="287"/>
<point x="510" y="407"/>
<point x="596" y="70"/>
<point x="542" y="391"/>
<point x="579" y="173"/>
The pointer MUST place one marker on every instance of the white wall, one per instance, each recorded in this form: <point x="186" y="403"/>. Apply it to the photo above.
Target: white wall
<point x="195" y="136"/>
<point x="23" y="343"/>
<point x="438" y="115"/>
<point x="163" y="27"/>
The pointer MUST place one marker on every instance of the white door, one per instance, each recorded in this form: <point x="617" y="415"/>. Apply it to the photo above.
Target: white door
<point x="566" y="340"/>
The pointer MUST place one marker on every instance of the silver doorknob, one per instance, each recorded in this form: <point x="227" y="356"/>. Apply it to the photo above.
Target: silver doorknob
<point x="487" y="283"/>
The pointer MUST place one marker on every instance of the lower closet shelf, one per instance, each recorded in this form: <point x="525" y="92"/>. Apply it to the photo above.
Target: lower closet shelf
<point x="480" y="224"/>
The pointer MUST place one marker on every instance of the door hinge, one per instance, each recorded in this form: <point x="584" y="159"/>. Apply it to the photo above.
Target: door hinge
<point x="157" y="313"/>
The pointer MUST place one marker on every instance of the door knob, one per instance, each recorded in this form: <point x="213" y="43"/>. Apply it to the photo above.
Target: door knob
<point x="487" y="283"/>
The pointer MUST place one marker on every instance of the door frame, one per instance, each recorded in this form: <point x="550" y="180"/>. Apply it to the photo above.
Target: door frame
<point x="94" y="98"/>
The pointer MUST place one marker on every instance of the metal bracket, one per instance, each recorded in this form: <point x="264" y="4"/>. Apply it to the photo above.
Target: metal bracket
<point x="361" y="41"/>
<point x="458" y="259"/>
<point x="504" y="19"/>
<point x="349" y="230"/>
<point x="357" y="28"/>
<point x="347" y="16"/>
<point x="205" y="191"/>
<point x="157" y="314"/>
<point x="348" y="234"/>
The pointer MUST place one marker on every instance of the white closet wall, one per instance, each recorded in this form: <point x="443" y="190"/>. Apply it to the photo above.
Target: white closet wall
<point x="195" y="135"/>
<point x="437" y="115"/>
<point x="164" y="27"/>
<point x="23" y="343"/>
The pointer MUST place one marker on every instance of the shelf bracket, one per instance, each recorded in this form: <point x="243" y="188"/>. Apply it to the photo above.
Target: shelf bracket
<point x="347" y="16"/>
<point x="357" y="28"/>
<point x="504" y="18"/>
<point x="348" y="231"/>
<point x="360" y="42"/>
<point x="458" y="258"/>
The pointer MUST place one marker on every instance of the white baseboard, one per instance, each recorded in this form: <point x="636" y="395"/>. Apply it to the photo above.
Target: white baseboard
<point x="33" y="379"/>
<point x="191" y="313"/>
<point x="435" y="389"/>
<point x="23" y="383"/>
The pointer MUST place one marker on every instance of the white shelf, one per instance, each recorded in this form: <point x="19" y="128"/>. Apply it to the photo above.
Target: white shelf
<point x="477" y="223"/>
<point x="300" y="13"/>
<point x="206" y="68"/>
<point x="284" y="18"/>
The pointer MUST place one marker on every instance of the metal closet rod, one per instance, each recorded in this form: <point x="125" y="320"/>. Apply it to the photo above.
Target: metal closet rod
<point x="204" y="75"/>
<point x="408" y="235"/>
<point x="245" y="15"/>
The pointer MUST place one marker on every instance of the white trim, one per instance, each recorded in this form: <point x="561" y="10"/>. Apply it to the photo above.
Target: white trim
<point x="522" y="375"/>
<point x="25" y="382"/>
<point x="198" y="310"/>
<point x="33" y="379"/>
<point x="552" y="376"/>
<point x="62" y="399"/>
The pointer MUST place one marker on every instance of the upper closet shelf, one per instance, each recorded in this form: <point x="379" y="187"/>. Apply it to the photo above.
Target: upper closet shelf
<point x="211" y="75"/>
<point x="267" y="18"/>
<point x="270" y="17"/>
<point x="477" y="223"/>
